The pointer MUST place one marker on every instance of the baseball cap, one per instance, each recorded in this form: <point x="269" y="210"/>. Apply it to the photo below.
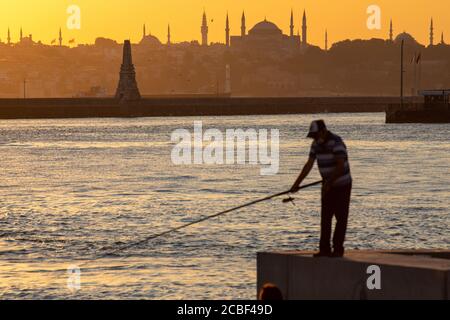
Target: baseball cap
<point x="316" y="126"/>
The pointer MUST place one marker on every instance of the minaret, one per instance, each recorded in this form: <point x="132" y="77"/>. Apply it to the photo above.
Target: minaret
<point x="291" y="26"/>
<point x="144" y="31"/>
<point x="168" y="34"/>
<point x="21" y="34"/>
<point x="304" y="30"/>
<point x="326" y="40"/>
<point x="391" y="32"/>
<point x="60" y="37"/>
<point x="204" y="30"/>
<point x="431" y="33"/>
<point x="243" y="27"/>
<point x="9" y="36"/>
<point x="127" y="89"/>
<point x="227" y="32"/>
<point x="442" y="38"/>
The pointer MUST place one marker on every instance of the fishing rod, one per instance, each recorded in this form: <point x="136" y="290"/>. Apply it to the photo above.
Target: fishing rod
<point x="134" y="244"/>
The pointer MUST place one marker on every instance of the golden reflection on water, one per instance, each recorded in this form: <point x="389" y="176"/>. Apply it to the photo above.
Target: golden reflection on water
<point x="72" y="190"/>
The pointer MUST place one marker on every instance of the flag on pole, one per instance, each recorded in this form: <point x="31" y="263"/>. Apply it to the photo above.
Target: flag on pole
<point x="419" y="57"/>
<point x="72" y="41"/>
<point x="53" y="41"/>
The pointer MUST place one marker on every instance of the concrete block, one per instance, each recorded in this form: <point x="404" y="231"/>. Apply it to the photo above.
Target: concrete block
<point x="403" y="275"/>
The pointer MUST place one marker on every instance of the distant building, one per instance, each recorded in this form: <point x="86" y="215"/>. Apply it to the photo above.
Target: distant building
<point x="94" y="92"/>
<point x="149" y="39"/>
<point x="27" y="41"/>
<point x="407" y="38"/>
<point x="434" y="97"/>
<point x="265" y="35"/>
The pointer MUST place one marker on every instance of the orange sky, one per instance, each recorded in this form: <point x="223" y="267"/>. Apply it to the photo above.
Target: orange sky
<point x="119" y="19"/>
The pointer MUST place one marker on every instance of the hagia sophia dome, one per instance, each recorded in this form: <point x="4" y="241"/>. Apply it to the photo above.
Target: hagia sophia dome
<point x="265" y="28"/>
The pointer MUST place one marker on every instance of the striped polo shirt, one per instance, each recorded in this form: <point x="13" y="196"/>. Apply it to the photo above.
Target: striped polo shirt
<point x="326" y="154"/>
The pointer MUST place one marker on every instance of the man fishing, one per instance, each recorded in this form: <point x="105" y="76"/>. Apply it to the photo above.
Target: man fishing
<point x="332" y="159"/>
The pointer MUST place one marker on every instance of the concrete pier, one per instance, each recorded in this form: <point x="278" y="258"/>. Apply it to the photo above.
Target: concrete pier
<point x="418" y="113"/>
<point x="407" y="274"/>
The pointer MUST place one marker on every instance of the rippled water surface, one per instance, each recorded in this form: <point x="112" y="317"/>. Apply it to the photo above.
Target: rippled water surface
<point x="73" y="190"/>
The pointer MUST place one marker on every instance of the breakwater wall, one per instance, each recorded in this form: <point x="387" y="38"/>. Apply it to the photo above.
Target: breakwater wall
<point x="185" y="106"/>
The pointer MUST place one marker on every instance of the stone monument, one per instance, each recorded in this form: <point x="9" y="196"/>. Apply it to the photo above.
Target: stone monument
<point x="127" y="89"/>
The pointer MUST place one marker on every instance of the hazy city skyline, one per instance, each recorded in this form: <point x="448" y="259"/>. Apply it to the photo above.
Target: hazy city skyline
<point x="102" y="19"/>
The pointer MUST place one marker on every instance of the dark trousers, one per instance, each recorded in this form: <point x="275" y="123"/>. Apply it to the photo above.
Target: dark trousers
<point x="335" y="202"/>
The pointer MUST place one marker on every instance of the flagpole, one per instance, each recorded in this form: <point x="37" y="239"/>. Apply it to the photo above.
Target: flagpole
<point x="415" y="75"/>
<point x="420" y="72"/>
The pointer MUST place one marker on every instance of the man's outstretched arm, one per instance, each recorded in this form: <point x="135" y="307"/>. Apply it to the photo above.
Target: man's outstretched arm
<point x="306" y="170"/>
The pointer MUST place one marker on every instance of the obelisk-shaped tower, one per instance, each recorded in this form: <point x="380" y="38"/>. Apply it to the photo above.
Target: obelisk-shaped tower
<point x="391" y="32"/>
<point x="431" y="33"/>
<point x="227" y="32"/>
<point x="204" y="30"/>
<point x="291" y="26"/>
<point x="168" y="34"/>
<point x="243" y="27"/>
<point x="304" y="30"/>
<point x="127" y="88"/>
<point x="60" y="37"/>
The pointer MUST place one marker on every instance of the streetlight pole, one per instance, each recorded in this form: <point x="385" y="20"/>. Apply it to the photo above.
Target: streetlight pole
<point x="401" y="74"/>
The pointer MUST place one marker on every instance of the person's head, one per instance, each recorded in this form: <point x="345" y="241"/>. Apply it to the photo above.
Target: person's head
<point x="270" y="292"/>
<point x="318" y="131"/>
